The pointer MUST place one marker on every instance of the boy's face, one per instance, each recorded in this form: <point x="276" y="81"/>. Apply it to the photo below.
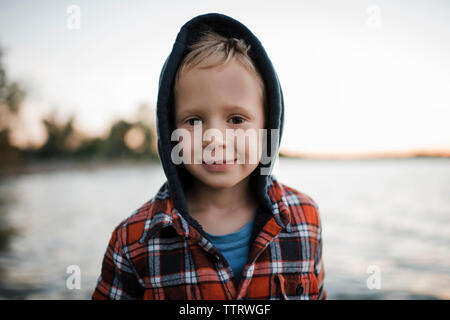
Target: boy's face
<point x="223" y="98"/>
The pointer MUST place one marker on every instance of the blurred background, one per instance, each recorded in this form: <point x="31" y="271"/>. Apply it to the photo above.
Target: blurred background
<point x="366" y="87"/>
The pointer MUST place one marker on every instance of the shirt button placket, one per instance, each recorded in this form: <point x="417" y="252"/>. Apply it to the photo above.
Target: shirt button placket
<point x="299" y="289"/>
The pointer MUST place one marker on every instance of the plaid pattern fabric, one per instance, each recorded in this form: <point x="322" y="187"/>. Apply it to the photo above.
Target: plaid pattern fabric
<point x="156" y="254"/>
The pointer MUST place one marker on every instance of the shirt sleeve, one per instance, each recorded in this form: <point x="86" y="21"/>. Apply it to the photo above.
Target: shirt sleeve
<point x="318" y="261"/>
<point x="118" y="279"/>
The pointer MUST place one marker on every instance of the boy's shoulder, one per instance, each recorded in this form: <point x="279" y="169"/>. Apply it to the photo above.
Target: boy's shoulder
<point x="302" y="207"/>
<point x="159" y="212"/>
<point x="294" y="196"/>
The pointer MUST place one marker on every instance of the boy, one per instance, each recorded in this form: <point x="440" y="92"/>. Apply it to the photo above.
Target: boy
<point x="221" y="227"/>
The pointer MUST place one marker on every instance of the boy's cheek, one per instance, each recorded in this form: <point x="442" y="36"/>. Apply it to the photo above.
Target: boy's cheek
<point x="190" y="150"/>
<point x="251" y="151"/>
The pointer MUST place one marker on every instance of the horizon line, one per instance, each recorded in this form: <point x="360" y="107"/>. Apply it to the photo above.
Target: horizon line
<point x="412" y="153"/>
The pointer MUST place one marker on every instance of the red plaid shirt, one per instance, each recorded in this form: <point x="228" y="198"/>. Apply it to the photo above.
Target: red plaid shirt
<point x="156" y="254"/>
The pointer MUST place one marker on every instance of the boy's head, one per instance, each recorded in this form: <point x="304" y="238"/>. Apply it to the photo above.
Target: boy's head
<point x="218" y="89"/>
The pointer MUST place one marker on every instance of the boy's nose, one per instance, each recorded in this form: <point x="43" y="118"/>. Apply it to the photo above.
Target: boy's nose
<point x="214" y="137"/>
<point x="215" y="142"/>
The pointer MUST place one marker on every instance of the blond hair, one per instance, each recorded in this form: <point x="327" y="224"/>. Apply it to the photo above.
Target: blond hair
<point x="211" y="43"/>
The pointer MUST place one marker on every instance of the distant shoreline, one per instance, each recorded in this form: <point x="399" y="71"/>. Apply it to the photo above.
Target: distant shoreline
<point x="40" y="165"/>
<point x="412" y="154"/>
<point x="50" y="165"/>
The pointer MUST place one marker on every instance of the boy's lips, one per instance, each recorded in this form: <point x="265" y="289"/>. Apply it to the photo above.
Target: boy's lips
<point x="214" y="166"/>
<point x="218" y="163"/>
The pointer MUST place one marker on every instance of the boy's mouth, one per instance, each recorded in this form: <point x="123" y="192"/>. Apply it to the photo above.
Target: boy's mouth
<point x="220" y="162"/>
<point x="217" y="166"/>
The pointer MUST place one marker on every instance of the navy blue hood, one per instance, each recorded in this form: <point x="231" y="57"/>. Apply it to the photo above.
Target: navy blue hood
<point x="178" y="177"/>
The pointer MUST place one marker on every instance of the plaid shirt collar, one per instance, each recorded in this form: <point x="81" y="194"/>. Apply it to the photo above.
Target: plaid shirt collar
<point x="162" y="213"/>
<point x="293" y="220"/>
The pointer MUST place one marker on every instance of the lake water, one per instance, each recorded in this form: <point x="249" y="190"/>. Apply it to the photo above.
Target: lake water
<point x="388" y="219"/>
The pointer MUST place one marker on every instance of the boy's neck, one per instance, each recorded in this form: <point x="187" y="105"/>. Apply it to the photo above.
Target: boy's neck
<point x="220" y="201"/>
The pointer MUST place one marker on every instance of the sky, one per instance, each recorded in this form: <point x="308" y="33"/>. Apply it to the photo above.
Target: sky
<point x="357" y="76"/>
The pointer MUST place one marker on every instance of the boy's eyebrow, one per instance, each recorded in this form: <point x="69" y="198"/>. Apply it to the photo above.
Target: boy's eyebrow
<point x="190" y="111"/>
<point x="227" y="107"/>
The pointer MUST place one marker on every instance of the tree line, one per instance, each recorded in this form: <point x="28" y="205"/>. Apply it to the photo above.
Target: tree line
<point x="124" y="139"/>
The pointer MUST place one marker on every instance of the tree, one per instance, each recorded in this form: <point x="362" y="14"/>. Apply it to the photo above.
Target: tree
<point x="11" y="99"/>
<point x="58" y="137"/>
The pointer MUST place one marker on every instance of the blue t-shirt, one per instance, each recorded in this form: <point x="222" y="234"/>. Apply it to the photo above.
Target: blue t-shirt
<point x="234" y="247"/>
